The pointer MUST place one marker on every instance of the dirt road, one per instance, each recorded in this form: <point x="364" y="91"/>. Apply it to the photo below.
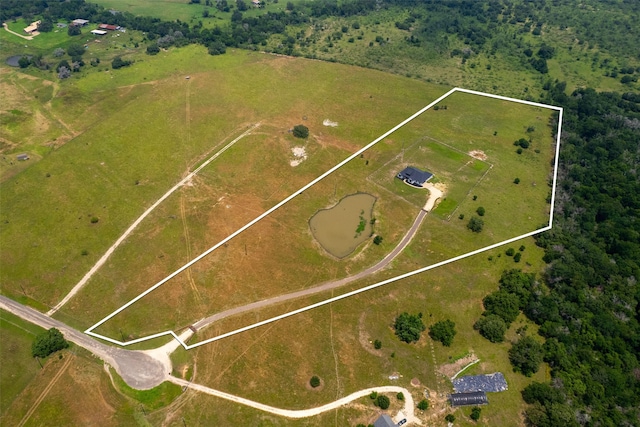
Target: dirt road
<point x="137" y="369"/>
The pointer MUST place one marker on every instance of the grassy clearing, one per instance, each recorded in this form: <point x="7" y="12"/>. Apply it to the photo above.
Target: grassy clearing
<point x="155" y="398"/>
<point x="17" y="336"/>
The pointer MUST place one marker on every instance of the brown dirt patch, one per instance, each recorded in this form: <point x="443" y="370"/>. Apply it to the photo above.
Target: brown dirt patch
<point x="478" y="154"/>
<point x="450" y="369"/>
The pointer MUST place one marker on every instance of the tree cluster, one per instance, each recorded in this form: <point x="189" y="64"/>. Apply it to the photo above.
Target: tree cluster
<point x="409" y="327"/>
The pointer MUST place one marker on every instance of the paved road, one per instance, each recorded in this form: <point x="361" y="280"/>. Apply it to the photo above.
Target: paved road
<point x="137" y="369"/>
<point x="408" y="410"/>
<point x="320" y="288"/>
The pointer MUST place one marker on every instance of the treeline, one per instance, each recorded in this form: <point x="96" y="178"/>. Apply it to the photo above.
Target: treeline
<point x="588" y="308"/>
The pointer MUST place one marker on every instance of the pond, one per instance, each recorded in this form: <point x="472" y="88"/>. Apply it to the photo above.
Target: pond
<point x="343" y="227"/>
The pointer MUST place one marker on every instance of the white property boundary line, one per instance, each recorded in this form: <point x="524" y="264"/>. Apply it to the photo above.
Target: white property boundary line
<point x="357" y="291"/>
<point x="137" y="222"/>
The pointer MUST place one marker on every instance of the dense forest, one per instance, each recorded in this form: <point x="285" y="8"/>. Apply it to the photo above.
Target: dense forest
<point x="587" y="308"/>
<point x="587" y="301"/>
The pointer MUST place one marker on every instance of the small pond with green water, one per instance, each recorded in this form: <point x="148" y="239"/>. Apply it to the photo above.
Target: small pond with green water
<point x="341" y="228"/>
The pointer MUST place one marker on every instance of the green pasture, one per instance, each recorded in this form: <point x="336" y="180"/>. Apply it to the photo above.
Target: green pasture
<point x="17" y="336"/>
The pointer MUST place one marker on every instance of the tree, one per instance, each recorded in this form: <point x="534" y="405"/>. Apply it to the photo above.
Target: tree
<point x="382" y="402"/>
<point x="510" y="252"/>
<point x="153" y="49"/>
<point x="300" y="131"/>
<point x="241" y="5"/>
<point x="475" y="224"/>
<point x="480" y="211"/>
<point x="45" y="26"/>
<point x="58" y="52"/>
<point x="450" y="418"/>
<point x="75" y="50"/>
<point x="475" y="413"/>
<point x="409" y="327"/>
<point x="443" y="331"/>
<point x="504" y="304"/>
<point x="73" y="30"/>
<point x="314" y="381"/>
<point x="526" y="356"/>
<point x="377" y="344"/>
<point x="423" y="405"/>
<point x="118" y="63"/>
<point x="492" y="327"/>
<point x="24" y="62"/>
<point x="48" y="342"/>
<point x="64" y="73"/>
<point x="217" y="48"/>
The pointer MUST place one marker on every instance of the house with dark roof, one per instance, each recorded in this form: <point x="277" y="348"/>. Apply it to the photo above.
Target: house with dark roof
<point x="468" y="399"/>
<point x="414" y="176"/>
<point x="384" y="420"/>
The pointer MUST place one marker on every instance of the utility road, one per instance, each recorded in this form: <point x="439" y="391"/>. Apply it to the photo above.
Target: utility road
<point x="327" y="285"/>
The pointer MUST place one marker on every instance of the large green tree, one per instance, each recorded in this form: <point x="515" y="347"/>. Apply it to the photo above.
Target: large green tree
<point x="443" y="331"/>
<point x="48" y="342"/>
<point x="409" y="327"/>
<point x="526" y="355"/>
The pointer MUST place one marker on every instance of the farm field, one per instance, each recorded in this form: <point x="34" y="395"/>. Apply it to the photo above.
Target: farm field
<point x="93" y="175"/>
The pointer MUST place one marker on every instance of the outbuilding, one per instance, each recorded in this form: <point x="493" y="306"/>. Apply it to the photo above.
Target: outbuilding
<point x="108" y="27"/>
<point x="79" y="22"/>
<point x="468" y="399"/>
<point x="22" y="157"/>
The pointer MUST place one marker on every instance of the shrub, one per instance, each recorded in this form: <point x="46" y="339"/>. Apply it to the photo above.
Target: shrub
<point x="517" y="257"/>
<point x="516" y="181"/>
<point x="461" y="216"/>
<point x="24" y="62"/>
<point x="400" y="396"/>
<point x="94" y="219"/>
<point x="300" y="131"/>
<point x="409" y="327"/>
<point x="48" y="342"/>
<point x="118" y="63"/>
<point x="450" y="418"/>
<point x="510" y="252"/>
<point x="423" y="405"/>
<point x="480" y="211"/>
<point x="373" y="395"/>
<point x="522" y="248"/>
<point x="377" y="240"/>
<point x="475" y="413"/>
<point x="443" y="331"/>
<point x="377" y="344"/>
<point x="314" y="381"/>
<point x="382" y="402"/>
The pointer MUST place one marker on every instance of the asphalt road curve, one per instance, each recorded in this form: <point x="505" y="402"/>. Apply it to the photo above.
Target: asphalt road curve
<point x="136" y="368"/>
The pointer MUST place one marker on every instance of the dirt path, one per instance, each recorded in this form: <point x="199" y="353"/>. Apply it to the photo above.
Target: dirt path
<point x="327" y="286"/>
<point x="137" y="222"/>
<point x="13" y="32"/>
<point x="408" y="409"/>
<point x="46" y="391"/>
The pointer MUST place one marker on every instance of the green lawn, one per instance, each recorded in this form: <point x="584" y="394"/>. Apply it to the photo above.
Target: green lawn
<point x="17" y="336"/>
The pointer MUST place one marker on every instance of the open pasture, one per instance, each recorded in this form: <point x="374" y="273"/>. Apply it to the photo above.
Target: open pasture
<point x="255" y="265"/>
